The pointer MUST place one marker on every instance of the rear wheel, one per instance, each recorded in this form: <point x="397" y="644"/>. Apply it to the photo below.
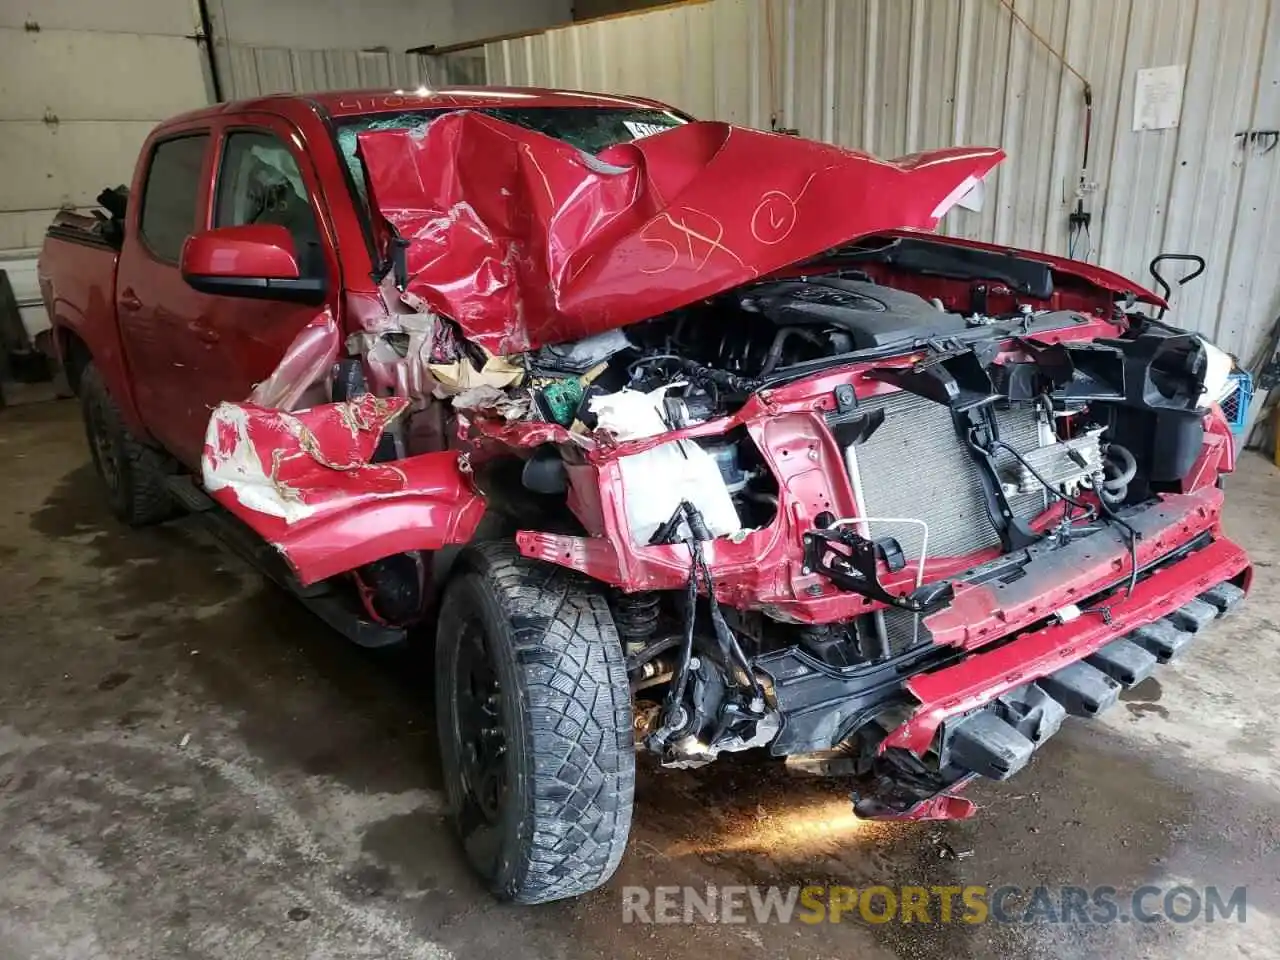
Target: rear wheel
<point x="535" y="725"/>
<point x="132" y="472"/>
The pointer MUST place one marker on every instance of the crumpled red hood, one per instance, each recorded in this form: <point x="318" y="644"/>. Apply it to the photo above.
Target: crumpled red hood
<point x="524" y="240"/>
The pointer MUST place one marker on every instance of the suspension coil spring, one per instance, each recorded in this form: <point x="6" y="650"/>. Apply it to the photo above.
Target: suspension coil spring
<point x="636" y="617"/>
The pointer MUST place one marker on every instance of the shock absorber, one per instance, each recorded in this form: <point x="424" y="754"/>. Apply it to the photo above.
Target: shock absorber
<point x="636" y="616"/>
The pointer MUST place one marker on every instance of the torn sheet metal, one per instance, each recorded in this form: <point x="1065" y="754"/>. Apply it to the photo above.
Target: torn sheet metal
<point x="396" y="360"/>
<point x="306" y="363"/>
<point x="288" y="465"/>
<point x="305" y="483"/>
<point x="524" y="241"/>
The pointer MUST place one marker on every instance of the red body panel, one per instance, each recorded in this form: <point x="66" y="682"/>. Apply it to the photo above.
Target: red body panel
<point x="169" y="353"/>
<point x="160" y="319"/>
<point x="977" y="679"/>
<point x="244" y="339"/>
<point x="78" y="284"/>
<point x="305" y="482"/>
<point x="524" y="240"/>
<point x="342" y="103"/>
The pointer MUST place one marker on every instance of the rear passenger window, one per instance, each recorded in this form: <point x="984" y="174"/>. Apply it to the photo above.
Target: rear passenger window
<point x="260" y="183"/>
<point x="169" y="199"/>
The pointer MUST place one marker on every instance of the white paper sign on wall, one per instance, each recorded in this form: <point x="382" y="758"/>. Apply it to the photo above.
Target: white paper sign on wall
<point x="1157" y="100"/>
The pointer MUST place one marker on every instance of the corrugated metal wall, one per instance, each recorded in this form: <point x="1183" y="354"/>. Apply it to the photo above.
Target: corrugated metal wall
<point x="369" y="24"/>
<point x="301" y="45"/>
<point x="895" y="76"/>
<point x="256" y="71"/>
<point x="590" y="9"/>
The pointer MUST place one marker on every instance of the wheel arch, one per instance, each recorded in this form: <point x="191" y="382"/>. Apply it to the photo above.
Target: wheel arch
<point x="79" y="344"/>
<point x="73" y="353"/>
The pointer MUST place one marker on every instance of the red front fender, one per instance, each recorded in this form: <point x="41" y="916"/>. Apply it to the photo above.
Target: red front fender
<point x="304" y="482"/>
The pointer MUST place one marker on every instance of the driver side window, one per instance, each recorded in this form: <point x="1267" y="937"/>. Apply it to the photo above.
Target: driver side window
<point x="259" y="182"/>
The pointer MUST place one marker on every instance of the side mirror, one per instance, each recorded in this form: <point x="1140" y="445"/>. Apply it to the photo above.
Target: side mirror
<point x="254" y="260"/>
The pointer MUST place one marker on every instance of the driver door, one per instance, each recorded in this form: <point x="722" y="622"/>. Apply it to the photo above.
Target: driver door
<point x="263" y="177"/>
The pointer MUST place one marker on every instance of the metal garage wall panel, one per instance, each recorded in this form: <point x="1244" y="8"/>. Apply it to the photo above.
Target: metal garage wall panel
<point x="23" y="230"/>
<point x="855" y="63"/>
<point x="1206" y="211"/>
<point x="518" y="63"/>
<point x="97" y="76"/>
<point x="734" y="24"/>
<point x="537" y="58"/>
<point x="393" y="24"/>
<point x="1027" y="203"/>
<point x="896" y="76"/>
<point x="1248" y="297"/>
<point x="410" y="71"/>
<point x="310" y="69"/>
<point x="460" y="68"/>
<point x="175" y="18"/>
<point x="803" y="87"/>
<point x="1134" y="195"/>
<point x="48" y="166"/>
<point x="259" y="71"/>
<point x="561" y="61"/>
<point x="81" y="85"/>
<point x="271" y="70"/>
<point x="667" y="54"/>
<point x="697" y="34"/>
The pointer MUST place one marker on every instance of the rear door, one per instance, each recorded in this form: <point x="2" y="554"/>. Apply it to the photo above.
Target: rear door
<point x="160" y="315"/>
<point x="264" y="176"/>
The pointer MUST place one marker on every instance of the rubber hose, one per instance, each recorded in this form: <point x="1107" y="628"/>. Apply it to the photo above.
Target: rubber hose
<point x="1126" y="475"/>
<point x="774" y="356"/>
<point x="1113" y="496"/>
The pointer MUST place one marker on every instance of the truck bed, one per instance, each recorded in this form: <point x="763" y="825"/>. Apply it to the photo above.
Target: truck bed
<point x="77" y="274"/>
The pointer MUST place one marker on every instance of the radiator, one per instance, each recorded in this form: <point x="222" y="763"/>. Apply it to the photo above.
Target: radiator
<point x="915" y="465"/>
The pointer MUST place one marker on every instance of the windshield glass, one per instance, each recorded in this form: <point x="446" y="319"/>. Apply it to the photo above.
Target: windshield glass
<point x="590" y="129"/>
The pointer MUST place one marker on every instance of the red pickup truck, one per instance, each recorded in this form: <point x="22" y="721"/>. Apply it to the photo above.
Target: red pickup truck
<point x="684" y="437"/>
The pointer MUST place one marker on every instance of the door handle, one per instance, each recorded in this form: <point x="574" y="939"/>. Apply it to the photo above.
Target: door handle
<point x="129" y="300"/>
<point x="203" y="331"/>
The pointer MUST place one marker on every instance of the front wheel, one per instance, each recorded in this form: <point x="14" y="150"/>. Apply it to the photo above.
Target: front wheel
<point x="534" y="712"/>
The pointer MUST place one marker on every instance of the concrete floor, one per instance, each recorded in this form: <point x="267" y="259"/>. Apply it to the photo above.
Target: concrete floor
<point x="192" y="766"/>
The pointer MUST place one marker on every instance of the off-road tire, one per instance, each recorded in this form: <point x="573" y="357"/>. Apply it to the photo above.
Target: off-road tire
<point x="565" y="704"/>
<point x="132" y="472"/>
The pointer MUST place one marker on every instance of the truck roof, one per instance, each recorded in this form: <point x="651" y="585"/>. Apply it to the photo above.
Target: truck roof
<point x="341" y="103"/>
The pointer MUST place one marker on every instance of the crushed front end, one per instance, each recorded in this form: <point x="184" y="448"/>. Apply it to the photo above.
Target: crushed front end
<point x="934" y="557"/>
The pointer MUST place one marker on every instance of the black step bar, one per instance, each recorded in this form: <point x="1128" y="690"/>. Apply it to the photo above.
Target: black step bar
<point x="337" y="607"/>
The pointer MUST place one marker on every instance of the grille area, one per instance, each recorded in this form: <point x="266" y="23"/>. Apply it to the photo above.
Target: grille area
<point x="915" y="465"/>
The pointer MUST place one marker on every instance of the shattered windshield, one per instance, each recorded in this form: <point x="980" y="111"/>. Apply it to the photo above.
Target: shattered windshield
<point x="590" y="129"/>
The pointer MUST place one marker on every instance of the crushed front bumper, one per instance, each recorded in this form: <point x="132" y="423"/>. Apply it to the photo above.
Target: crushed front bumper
<point x="1027" y="639"/>
<point x="985" y="714"/>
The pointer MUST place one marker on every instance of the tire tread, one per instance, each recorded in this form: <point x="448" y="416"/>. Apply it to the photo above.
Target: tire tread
<point x="578" y="705"/>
